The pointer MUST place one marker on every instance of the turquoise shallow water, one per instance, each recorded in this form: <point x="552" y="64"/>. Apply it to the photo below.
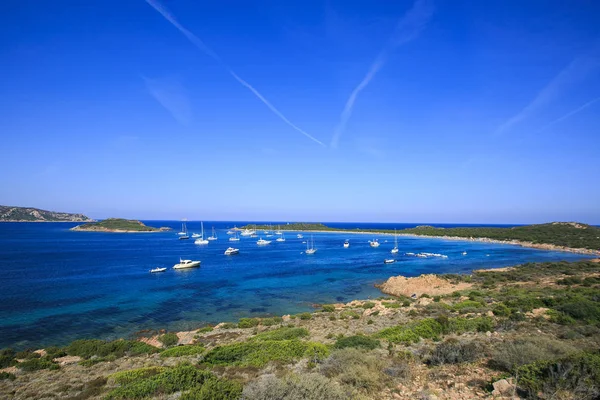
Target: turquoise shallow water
<point x="57" y="285"/>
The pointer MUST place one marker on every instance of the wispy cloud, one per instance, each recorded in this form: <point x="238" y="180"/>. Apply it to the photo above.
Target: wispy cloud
<point x="569" y="114"/>
<point x="171" y="94"/>
<point x="408" y="28"/>
<point x="568" y="77"/>
<point x="196" y="41"/>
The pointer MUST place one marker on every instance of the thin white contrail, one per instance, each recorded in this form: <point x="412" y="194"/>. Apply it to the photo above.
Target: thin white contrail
<point x="569" y="114"/>
<point x="196" y="41"/>
<point x="407" y="29"/>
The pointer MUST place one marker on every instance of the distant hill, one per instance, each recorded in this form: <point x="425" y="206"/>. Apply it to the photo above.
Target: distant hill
<point x="118" y="225"/>
<point x="29" y="214"/>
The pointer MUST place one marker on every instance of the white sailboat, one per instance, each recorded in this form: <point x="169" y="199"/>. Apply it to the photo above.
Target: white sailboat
<point x="281" y="238"/>
<point x="311" y="249"/>
<point x="299" y="236"/>
<point x="235" y="237"/>
<point x="201" y="239"/>
<point x="213" y="236"/>
<point x="183" y="235"/>
<point x="395" y="249"/>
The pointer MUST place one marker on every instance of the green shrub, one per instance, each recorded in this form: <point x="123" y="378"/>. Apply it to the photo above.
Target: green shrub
<point x="510" y="355"/>
<point x="26" y="354"/>
<point x="7" y="376"/>
<point x="215" y="389"/>
<point x="328" y="308"/>
<point x="305" y="316"/>
<point x="118" y="348"/>
<point x="245" y="323"/>
<point x="311" y="386"/>
<point x="413" y="332"/>
<point x="349" y="314"/>
<point x="582" y="309"/>
<point x="183" y="377"/>
<point x="388" y="304"/>
<point x="35" y="364"/>
<point x="229" y="325"/>
<point x="453" y="351"/>
<point x="406" y="303"/>
<point x="367" y="305"/>
<point x="576" y="376"/>
<point x="126" y="377"/>
<point x="361" y="370"/>
<point x="572" y="280"/>
<point x="179" y="351"/>
<point x="437" y="299"/>
<point x="501" y="310"/>
<point x="467" y="304"/>
<point x="332" y="318"/>
<point x="205" y="329"/>
<point x="169" y="339"/>
<point x="358" y="341"/>
<point x="283" y="333"/>
<point x="271" y="321"/>
<point x="257" y="353"/>
<point x="53" y="352"/>
<point x="7" y="358"/>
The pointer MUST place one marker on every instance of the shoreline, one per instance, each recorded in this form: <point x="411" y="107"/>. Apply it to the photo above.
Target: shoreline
<point x="539" y="246"/>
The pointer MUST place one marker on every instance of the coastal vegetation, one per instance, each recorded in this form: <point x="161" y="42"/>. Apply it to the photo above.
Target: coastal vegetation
<point x="29" y="214"/>
<point x="117" y="225"/>
<point x="531" y="330"/>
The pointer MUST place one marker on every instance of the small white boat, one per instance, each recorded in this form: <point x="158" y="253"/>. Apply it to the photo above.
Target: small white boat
<point x="464" y="253"/>
<point x="280" y="238"/>
<point x="234" y="238"/>
<point x="230" y="232"/>
<point x="374" y="243"/>
<point x="159" y="269"/>
<point x="195" y="235"/>
<point x="183" y="235"/>
<point x="311" y="249"/>
<point x="186" y="264"/>
<point x="231" y="251"/>
<point x="299" y="236"/>
<point x="213" y="236"/>
<point x="346" y="244"/>
<point x="263" y="242"/>
<point x="389" y="261"/>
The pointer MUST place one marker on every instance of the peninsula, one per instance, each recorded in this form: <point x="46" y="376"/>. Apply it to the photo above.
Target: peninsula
<point x="118" y="225"/>
<point x="29" y="214"/>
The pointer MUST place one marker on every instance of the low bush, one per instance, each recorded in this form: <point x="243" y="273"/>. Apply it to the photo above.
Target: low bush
<point x="467" y="304"/>
<point x="7" y="358"/>
<point x="283" y="333"/>
<point x="453" y="351"/>
<point x="169" y="339"/>
<point x="572" y="280"/>
<point x="245" y="323"/>
<point x="508" y="356"/>
<point x="389" y="304"/>
<point x="574" y="377"/>
<point x="305" y="316"/>
<point x="118" y="348"/>
<point x="411" y="333"/>
<point x="349" y="314"/>
<point x="179" y="351"/>
<point x="358" y="341"/>
<point x="501" y="310"/>
<point x="229" y="325"/>
<point x="356" y="368"/>
<point x="259" y="353"/>
<point x="328" y="308"/>
<point x="582" y="309"/>
<point x="205" y="329"/>
<point x="367" y="305"/>
<point x="126" y="377"/>
<point x="311" y="386"/>
<point x="271" y="321"/>
<point x="35" y="364"/>
<point x="215" y="389"/>
<point x="183" y="377"/>
<point x="7" y="376"/>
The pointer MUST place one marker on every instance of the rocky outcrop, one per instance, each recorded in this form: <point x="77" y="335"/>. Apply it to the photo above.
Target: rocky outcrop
<point x="424" y="284"/>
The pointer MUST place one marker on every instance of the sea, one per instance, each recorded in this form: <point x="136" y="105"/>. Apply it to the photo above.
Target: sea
<point x="58" y="285"/>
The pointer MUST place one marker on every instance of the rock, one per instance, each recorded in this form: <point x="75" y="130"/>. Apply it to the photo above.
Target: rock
<point x="488" y="334"/>
<point x="286" y="318"/>
<point x="502" y="388"/>
<point x="67" y="360"/>
<point x="489" y="314"/>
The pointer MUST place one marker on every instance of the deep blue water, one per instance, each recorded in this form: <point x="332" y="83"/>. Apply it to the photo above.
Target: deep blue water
<point x="57" y="285"/>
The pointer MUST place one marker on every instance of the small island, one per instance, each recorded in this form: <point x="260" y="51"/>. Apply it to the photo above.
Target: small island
<point x="30" y="214"/>
<point x="118" y="225"/>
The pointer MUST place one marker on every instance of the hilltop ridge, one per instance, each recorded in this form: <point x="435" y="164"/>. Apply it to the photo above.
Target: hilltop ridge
<point x="30" y="214"/>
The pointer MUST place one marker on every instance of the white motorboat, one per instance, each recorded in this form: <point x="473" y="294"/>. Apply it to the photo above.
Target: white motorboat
<point x="201" y="239"/>
<point x="346" y="244"/>
<point x="158" y="269"/>
<point x="299" y="236"/>
<point x="311" y="249"/>
<point x="280" y="238"/>
<point x="195" y="235"/>
<point x="231" y="251"/>
<point x="389" y="261"/>
<point x="395" y="249"/>
<point x="374" y="243"/>
<point x="247" y="232"/>
<point x="262" y="242"/>
<point x="213" y="236"/>
<point x="186" y="264"/>
<point x="464" y="253"/>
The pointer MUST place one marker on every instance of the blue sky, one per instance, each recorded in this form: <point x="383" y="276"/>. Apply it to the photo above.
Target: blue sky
<point x="426" y="111"/>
